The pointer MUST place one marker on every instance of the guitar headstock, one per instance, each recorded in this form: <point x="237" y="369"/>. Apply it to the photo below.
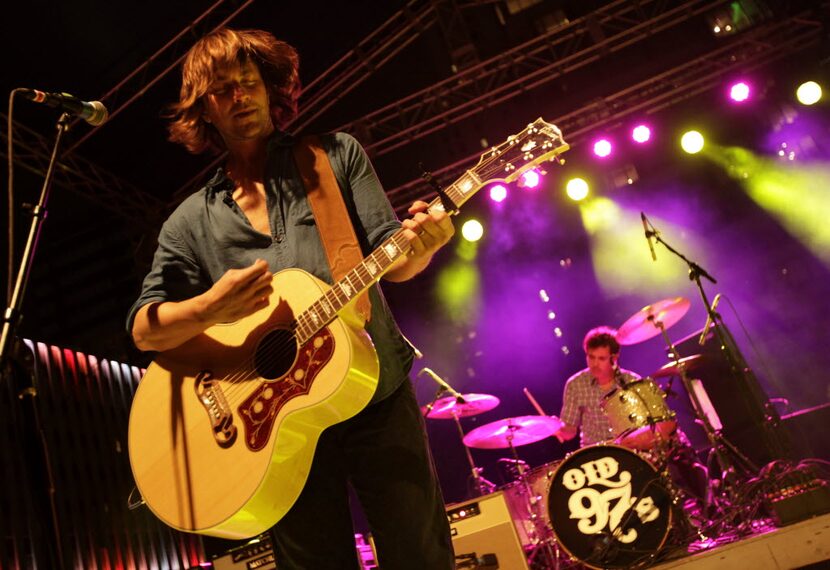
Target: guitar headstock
<point x="538" y="142"/>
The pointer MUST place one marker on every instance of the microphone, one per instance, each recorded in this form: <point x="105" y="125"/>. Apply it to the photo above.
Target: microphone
<point x="93" y="112"/>
<point x="440" y="381"/>
<point x="649" y="235"/>
<point x="715" y="302"/>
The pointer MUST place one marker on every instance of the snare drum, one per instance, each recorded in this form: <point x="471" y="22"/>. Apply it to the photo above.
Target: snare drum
<point x="608" y="507"/>
<point x="639" y="415"/>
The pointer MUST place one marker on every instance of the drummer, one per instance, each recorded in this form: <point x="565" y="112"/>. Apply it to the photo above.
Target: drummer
<point x="585" y="389"/>
<point x="582" y="411"/>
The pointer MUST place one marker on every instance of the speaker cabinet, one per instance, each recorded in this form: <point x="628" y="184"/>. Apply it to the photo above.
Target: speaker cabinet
<point x="484" y="536"/>
<point x="253" y="555"/>
<point x="749" y="420"/>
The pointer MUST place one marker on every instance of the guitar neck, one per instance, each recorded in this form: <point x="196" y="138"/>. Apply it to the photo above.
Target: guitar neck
<point x="373" y="267"/>
<point x="538" y="142"/>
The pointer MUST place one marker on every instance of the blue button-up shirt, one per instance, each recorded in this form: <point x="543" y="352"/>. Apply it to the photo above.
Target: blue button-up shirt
<point x="209" y="234"/>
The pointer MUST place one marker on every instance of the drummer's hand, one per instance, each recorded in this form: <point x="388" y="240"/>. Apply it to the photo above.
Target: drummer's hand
<point x="565" y="433"/>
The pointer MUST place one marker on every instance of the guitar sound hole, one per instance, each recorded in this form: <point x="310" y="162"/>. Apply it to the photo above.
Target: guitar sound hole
<point x="275" y="354"/>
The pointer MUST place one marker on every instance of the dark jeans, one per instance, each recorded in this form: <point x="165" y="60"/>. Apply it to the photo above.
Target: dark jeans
<point x="382" y="452"/>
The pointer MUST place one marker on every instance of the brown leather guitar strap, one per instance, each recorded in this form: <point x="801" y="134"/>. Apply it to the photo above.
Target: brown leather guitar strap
<point x="330" y="213"/>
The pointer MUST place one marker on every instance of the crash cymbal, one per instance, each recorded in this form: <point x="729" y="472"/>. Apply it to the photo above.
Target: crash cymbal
<point x="449" y="407"/>
<point x="642" y="325"/>
<point x="520" y="430"/>
<point x="673" y="368"/>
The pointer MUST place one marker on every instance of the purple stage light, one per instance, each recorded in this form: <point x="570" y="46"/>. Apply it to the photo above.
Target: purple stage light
<point x="530" y="179"/>
<point x="498" y="193"/>
<point x="641" y="134"/>
<point x="739" y="92"/>
<point x="602" y="148"/>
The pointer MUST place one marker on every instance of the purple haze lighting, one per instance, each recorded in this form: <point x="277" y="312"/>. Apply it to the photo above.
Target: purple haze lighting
<point x="602" y="148"/>
<point x="530" y="179"/>
<point x="739" y="92"/>
<point x="498" y="193"/>
<point x="641" y="134"/>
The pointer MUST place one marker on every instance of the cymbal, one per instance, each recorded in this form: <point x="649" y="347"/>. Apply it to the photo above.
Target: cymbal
<point x="447" y="408"/>
<point x="642" y="325"/>
<point x="673" y="368"/>
<point x="520" y="430"/>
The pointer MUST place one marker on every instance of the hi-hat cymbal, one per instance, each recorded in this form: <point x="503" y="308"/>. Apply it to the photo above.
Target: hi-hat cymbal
<point x="673" y="368"/>
<point x="520" y="430"/>
<point x="643" y="324"/>
<point x="449" y="407"/>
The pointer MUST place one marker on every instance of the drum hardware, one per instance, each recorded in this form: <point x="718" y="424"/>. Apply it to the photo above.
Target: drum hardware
<point x="729" y="458"/>
<point x="455" y="407"/>
<point x="511" y="433"/>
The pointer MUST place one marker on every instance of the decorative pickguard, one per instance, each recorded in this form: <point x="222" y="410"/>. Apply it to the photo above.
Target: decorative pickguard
<point x="260" y="409"/>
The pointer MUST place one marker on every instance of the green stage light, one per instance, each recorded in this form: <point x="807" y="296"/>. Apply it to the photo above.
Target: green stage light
<point x="692" y="142"/>
<point x="472" y="230"/>
<point x="808" y="93"/>
<point x="577" y="189"/>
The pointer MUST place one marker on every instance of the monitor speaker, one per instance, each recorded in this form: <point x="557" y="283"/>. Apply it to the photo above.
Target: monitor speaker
<point x="484" y="535"/>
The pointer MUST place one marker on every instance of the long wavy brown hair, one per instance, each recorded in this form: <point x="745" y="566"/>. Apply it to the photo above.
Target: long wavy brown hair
<point x="278" y="64"/>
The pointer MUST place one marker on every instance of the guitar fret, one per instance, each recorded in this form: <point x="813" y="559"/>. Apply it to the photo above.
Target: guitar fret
<point x="324" y="304"/>
<point x="334" y="300"/>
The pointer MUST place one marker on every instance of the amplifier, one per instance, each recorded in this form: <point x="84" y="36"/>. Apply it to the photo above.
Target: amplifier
<point x="484" y="536"/>
<point x="800" y="501"/>
<point x="257" y="554"/>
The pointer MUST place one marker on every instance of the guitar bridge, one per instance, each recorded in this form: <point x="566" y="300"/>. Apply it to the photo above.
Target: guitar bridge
<point x="216" y="405"/>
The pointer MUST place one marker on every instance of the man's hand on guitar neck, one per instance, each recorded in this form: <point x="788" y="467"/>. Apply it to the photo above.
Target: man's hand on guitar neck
<point x="427" y="232"/>
<point x="238" y="293"/>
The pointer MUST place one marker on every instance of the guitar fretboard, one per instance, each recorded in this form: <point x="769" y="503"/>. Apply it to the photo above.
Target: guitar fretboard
<point x="372" y="268"/>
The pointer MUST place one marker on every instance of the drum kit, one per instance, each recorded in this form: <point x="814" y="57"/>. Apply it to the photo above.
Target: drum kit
<point x="609" y="505"/>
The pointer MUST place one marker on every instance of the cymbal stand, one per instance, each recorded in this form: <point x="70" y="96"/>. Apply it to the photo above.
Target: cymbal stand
<point x="481" y="485"/>
<point x="724" y="450"/>
<point x="546" y="543"/>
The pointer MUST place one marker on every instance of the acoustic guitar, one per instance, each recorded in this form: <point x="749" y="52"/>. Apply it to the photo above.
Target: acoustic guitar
<point x="223" y="428"/>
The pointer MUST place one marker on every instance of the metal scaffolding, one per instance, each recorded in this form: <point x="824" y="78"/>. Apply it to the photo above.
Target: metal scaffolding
<point x="525" y="67"/>
<point x="749" y="51"/>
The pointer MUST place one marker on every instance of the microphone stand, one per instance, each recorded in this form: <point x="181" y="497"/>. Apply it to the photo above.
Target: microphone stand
<point x="480" y="485"/>
<point x="10" y="347"/>
<point x="12" y="316"/>
<point x="724" y="450"/>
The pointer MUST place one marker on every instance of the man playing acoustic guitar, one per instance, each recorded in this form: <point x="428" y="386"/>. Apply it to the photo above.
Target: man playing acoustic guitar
<point x="215" y="261"/>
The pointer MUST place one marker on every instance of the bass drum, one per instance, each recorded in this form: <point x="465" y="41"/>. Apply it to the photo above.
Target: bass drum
<point x="609" y="507"/>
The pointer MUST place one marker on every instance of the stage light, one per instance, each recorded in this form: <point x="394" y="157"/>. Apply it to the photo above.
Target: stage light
<point x="808" y="93"/>
<point x="577" y="189"/>
<point x="472" y="230"/>
<point x="602" y="148"/>
<point x="530" y="179"/>
<point x="692" y="142"/>
<point x="498" y="193"/>
<point x="641" y="134"/>
<point x="739" y="92"/>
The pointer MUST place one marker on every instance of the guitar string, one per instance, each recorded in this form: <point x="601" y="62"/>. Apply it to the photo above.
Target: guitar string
<point x="247" y="369"/>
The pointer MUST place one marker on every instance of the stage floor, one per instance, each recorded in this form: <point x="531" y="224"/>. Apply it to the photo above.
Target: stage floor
<point x="793" y="546"/>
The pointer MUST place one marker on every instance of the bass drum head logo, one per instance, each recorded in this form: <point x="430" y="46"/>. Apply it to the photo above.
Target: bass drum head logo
<point x="609" y="507"/>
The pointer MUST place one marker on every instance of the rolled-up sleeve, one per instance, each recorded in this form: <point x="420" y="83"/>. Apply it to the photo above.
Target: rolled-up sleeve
<point x="175" y="274"/>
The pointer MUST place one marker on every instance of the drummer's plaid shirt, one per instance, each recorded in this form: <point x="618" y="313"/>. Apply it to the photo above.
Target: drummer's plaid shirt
<point x="581" y="406"/>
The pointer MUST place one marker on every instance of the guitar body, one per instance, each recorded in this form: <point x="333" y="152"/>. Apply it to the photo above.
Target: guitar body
<point x="223" y="429"/>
